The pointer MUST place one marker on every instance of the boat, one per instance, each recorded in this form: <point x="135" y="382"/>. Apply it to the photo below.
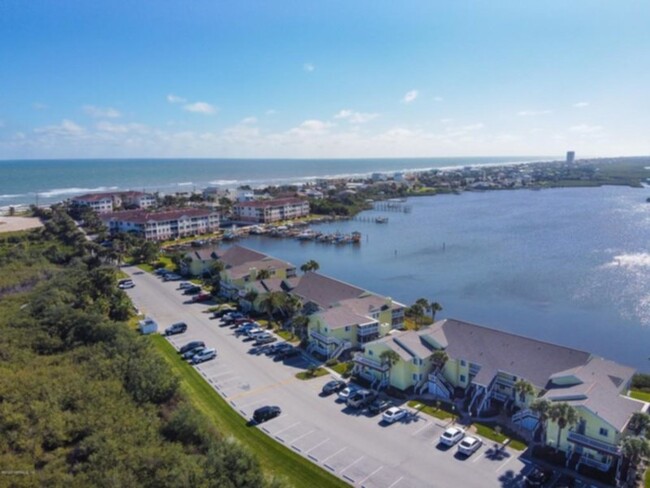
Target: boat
<point x="307" y="235"/>
<point x="356" y="237"/>
<point x="381" y="220"/>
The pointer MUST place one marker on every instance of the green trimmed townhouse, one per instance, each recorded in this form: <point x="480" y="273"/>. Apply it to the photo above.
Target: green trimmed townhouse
<point x="483" y="373"/>
<point x="343" y="317"/>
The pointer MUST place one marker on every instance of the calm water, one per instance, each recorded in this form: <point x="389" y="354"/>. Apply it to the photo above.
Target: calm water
<point x="55" y="180"/>
<point x="570" y="266"/>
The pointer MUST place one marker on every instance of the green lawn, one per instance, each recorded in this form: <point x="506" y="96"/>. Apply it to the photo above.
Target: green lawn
<point x="305" y="375"/>
<point x="647" y="478"/>
<point x="488" y="432"/>
<point x="276" y="459"/>
<point x="287" y="336"/>
<point x="342" y="368"/>
<point x="640" y="395"/>
<point x="146" y="267"/>
<point x="438" y="413"/>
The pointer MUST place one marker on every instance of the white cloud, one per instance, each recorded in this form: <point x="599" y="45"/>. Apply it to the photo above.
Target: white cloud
<point x="581" y="104"/>
<point x="355" y="117"/>
<point x="310" y="127"/>
<point x="586" y="129"/>
<point x="409" y="96"/>
<point x="200" y="108"/>
<point x="271" y="112"/>
<point x="438" y="99"/>
<point x="249" y="120"/>
<point x="67" y="128"/>
<point x="446" y="121"/>
<point x="39" y="106"/>
<point x="309" y="67"/>
<point x="171" y="98"/>
<point x="533" y="113"/>
<point x="101" y="112"/>
<point x="110" y="127"/>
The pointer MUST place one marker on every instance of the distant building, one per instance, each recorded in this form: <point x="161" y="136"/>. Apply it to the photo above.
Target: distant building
<point x="266" y="211"/>
<point x="167" y="224"/>
<point x="107" y="202"/>
<point x="570" y="157"/>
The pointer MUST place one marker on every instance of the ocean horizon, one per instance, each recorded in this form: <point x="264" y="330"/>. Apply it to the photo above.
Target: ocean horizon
<point x="44" y="181"/>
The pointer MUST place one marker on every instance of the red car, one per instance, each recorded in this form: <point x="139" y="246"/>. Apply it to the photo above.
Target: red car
<point x="201" y="297"/>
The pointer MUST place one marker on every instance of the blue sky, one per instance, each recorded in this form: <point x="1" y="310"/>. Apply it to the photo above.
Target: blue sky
<point x="323" y="79"/>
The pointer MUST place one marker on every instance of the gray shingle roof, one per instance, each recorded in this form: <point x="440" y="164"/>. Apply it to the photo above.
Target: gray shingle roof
<point x="237" y="255"/>
<point x="323" y="290"/>
<point x="496" y="350"/>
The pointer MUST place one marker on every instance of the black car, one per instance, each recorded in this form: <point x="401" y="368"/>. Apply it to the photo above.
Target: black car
<point x="287" y="353"/>
<point x="192" y="290"/>
<point x="190" y="345"/>
<point x="333" y="387"/>
<point x="220" y="313"/>
<point x="178" y="328"/>
<point x="538" y="477"/>
<point x="263" y="414"/>
<point x="193" y="352"/>
<point x="379" y="405"/>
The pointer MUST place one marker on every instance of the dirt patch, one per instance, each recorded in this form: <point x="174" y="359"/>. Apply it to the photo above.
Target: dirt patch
<point x="13" y="224"/>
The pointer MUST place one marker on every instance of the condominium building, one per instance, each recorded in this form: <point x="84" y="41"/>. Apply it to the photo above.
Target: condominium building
<point x="265" y="211"/>
<point x="108" y="202"/>
<point x="167" y="224"/>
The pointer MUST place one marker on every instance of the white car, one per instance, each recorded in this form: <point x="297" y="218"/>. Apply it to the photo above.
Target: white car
<point x="253" y="332"/>
<point x="185" y="284"/>
<point x="125" y="284"/>
<point x="204" y="355"/>
<point x="451" y="436"/>
<point x="345" y="393"/>
<point x="469" y="445"/>
<point x="393" y="414"/>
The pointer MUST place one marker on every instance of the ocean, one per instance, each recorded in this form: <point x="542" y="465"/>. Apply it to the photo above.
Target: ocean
<point x="27" y="182"/>
<point x="569" y="266"/>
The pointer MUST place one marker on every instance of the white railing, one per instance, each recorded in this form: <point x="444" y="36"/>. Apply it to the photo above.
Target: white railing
<point x="343" y="346"/>
<point x="368" y="330"/>
<point x="594" y="463"/>
<point x="441" y="387"/>
<point x="486" y="398"/>
<point x="593" y="443"/>
<point x="371" y="363"/>
<point x="477" y="393"/>
<point x="323" y="338"/>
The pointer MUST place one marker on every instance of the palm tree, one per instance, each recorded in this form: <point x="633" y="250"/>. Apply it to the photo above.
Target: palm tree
<point x="272" y="303"/>
<point x="541" y="408"/>
<point x="300" y="324"/>
<point x="439" y="358"/>
<point x="292" y="306"/>
<point x="263" y="274"/>
<point x="416" y="311"/>
<point x="390" y="358"/>
<point x="564" y="415"/>
<point x="639" y="423"/>
<point x="435" y="307"/>
<point x="310" y="265"/>
<point x="635" y="450"/>
<point x="523" y="389"/>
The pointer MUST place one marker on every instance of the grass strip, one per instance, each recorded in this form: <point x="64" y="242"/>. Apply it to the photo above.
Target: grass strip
<point x="489" y="433"/>
<point x="640" y="395"/>
<point x="307" y="375"/>
<point x="275" y="458"/>
<point x="438" y="413"/>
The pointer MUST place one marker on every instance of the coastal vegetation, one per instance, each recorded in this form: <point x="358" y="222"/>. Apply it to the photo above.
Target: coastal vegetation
<point x="84" y="399"/>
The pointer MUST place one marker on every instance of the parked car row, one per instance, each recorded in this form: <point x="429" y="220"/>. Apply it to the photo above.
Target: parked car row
<point x="196" y="352"/>
<point x="167" y="275"/>
<point x="467" y="445"/>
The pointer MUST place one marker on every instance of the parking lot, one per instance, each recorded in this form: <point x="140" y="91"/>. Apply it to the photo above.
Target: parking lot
<point x="351" y="444"/>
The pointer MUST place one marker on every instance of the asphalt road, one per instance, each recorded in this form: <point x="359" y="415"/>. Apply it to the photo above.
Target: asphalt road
<point x="352" y="445"/>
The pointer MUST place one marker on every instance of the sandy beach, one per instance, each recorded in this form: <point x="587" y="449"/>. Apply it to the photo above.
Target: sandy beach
<point x="13" y="224"/>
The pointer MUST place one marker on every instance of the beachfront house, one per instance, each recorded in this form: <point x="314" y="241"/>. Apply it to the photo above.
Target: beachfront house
<point x="108" y="202"/>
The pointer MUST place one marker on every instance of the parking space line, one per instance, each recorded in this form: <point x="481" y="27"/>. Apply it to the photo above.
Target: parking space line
<point x="421" y="428"/>
<point x="337" y="452"/>
<point x="503" y="464"/>
<point x="267" y="387"/>
<point x="396" y="481"/>
<point x="222" y="374"/>
<point x="286" y="428"/>
<point x="352" y="464"/>
<point x="301" y="436"/>
<point x="318" y="445"/>
<point x="477" y="457"/>
<point x="371" y="474"/>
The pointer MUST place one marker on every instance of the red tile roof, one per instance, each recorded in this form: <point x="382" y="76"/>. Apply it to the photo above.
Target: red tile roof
<point x="278" y="202"/>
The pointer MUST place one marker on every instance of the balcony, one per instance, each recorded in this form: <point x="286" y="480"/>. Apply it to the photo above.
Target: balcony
<point x="370" y="363"/>
<point x="323" y="338"/>
<point x="594" y="463"/>
<point x="364" y="330"/>
<point x="599" y="446"/>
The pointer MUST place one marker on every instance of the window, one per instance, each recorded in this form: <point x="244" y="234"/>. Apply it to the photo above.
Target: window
<point x="463" y="363"/>
<point x="462" y="378"/>
<point x="604" y="432"/>
<point x="370" y="353"/>
<point x="347" y="328"/>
